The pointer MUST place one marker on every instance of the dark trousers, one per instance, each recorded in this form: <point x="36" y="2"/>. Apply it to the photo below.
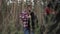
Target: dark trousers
<point x="33" y="26"/>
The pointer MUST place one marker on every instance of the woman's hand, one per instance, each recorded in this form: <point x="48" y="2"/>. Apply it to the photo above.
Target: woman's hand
<point x="29" y="16"/>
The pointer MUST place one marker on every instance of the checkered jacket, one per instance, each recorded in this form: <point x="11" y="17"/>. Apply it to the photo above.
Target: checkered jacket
<point x="24" y="17"/>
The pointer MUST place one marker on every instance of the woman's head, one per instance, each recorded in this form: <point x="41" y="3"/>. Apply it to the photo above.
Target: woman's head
<point x="29" y="7"/>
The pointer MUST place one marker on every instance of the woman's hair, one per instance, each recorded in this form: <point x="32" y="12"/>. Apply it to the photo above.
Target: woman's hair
<point x="49" y="5"/>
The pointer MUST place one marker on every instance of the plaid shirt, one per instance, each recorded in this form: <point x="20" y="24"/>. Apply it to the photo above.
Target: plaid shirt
<point x="24" y="18"/>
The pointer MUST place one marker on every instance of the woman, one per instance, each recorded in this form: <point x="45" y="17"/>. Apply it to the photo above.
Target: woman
<point x="25" y="21"/>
